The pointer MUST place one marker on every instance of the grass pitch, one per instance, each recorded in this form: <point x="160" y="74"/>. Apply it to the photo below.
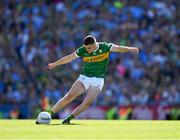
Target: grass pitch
<point x="90" y="130"/>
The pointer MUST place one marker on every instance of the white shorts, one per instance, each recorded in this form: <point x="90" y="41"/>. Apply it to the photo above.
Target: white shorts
<point x="91" y="81"/>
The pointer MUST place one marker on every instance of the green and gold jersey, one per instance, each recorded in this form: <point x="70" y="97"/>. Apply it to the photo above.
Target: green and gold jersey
<point x="95" y="63"/>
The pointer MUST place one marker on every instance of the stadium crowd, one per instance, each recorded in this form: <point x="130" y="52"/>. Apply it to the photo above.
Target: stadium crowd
<point x="34" y="33"/>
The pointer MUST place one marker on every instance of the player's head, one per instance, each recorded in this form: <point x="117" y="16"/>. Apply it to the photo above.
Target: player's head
<point x="90" y="43"/>
<point x="89" y="40"/>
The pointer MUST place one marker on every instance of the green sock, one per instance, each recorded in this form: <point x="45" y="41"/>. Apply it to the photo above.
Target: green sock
<point x="70" y="117"/>
<point x="51" y="112"/>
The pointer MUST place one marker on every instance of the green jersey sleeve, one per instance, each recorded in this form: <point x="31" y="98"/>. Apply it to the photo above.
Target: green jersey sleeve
<point x="80" y="51"/>
<point x="107" y="46"/>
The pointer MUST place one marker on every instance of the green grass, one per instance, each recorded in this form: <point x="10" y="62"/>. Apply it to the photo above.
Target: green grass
<point x="90" y="130"/>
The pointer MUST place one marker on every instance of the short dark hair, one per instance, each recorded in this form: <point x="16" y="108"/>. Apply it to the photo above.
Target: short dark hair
<point x="89" y="40"/>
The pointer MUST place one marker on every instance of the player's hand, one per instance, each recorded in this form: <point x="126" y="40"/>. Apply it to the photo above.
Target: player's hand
<point x="135" y="50"/>
<point x="51" y="66"/>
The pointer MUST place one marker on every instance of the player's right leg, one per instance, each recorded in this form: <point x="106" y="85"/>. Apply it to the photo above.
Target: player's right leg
<point x="76" y="90"/>
<point x="91" y="94"/>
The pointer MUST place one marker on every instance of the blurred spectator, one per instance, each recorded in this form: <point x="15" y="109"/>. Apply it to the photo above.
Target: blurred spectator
<point x="112" y="114"/>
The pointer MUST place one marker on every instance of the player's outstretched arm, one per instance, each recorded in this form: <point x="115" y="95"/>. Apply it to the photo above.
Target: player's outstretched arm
<point x="64" y="60"/>
<point x="117" y="48"/>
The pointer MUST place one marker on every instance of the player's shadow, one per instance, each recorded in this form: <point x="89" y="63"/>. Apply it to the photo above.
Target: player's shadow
<point x="65" y="124"/>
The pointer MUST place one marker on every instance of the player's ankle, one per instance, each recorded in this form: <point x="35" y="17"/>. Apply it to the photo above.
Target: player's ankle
<point x="51" y="112"/>
<point x="70" y="117"/>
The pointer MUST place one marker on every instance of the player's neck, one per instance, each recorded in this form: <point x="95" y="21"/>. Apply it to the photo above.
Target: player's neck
<point x="93" y="49"/>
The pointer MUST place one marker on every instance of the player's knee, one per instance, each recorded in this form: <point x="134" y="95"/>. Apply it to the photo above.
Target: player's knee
<point x="68" y="98"/>
<point x="87" y="104"/>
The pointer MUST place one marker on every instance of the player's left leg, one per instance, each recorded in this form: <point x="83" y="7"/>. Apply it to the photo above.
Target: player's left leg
<point x="92" y="93"/>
